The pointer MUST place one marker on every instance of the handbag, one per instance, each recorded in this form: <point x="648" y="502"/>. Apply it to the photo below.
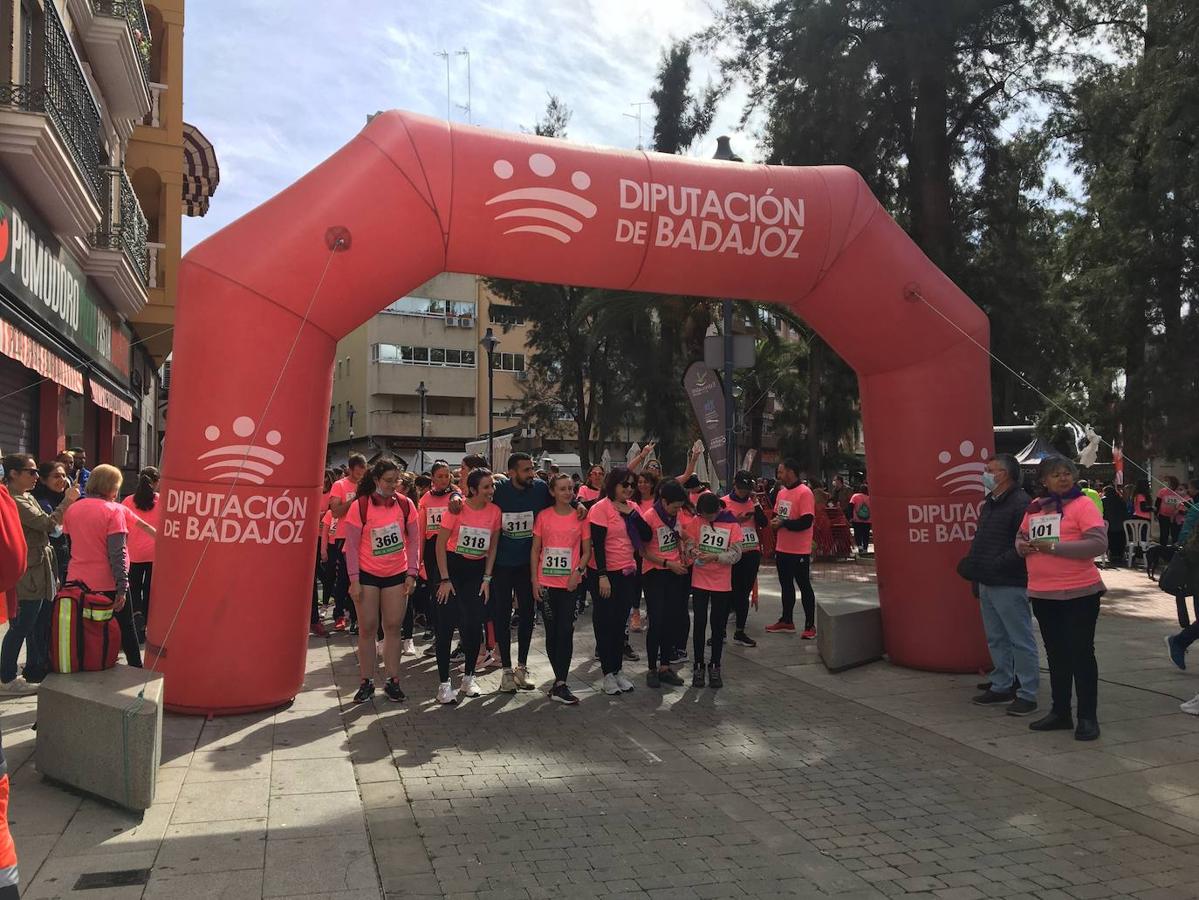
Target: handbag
<point x="1174" y="578"/>
<point x="84" y="633"/>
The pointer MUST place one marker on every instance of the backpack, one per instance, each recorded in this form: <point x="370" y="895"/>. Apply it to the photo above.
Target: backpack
<point x="84" y="633"/>
<point x="863" y="511"/>
<point x="403" y="499"/>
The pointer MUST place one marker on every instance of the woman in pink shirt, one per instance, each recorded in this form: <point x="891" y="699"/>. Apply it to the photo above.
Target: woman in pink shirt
<point x="382" y="534"/>
<point x="99" y="527"/>
<point x="558" y="560"/>
<point x="466" y="548"/>
<point x="713" y="541"/>
<point x="144" y="504"/>
<point x="592" y="489"/>
<point x="1060" y="537"/>
<point x="666" y="582"/>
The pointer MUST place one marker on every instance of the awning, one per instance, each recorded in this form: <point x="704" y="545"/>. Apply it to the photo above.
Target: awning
<point x="201" y="174"/>
<point x="1038" y="449"/>
<point x="16" y="344"/>
<point x="106" y="399"/>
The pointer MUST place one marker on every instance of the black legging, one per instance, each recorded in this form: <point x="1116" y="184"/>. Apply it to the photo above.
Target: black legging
<point x="664" y="591"/>
<point x="341" y="582"/>
<point x="1068" y="630"/>
<point x="464" y="611"/>
<point x="129" y="642"/>
<point x="861" y="536"/>
<point x="559" y="610"/>
<point x="610" y="614"/>
<point x="506" y="581"/>
<point x="796" y="568"/>
<point x="745" y="573"/>
<point x="1167" y="530"/>
<point x="140" y="574"/>
<point x="719" y="602"/>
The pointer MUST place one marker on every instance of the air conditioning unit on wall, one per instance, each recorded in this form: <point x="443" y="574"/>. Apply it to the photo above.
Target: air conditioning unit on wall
<point x="521" y="375"/>
<point x="466" y="321"/>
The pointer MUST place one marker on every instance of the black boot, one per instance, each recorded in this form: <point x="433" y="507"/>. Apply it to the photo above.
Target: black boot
<point x="1055" y="721"/>
<point x="1087" y="730"/>
<point x="697" y="675"/>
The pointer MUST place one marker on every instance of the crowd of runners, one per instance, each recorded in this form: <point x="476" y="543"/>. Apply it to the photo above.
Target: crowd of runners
<point x="478" y="555"/>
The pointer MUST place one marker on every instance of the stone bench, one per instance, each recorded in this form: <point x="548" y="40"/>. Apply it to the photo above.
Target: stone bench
<point x="849" y="631"/>
<point x="95" y="734"/>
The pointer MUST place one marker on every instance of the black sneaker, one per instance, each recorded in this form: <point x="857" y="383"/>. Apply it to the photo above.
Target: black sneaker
<point x="670" y="676"/>
<point x="630" y="654"/>
<point x="744" y="639"/>
<point x="652" y="680"/>
<point x="353" y="629"/>
<point x="457" y="653"/>
<point x="430" y="651"/>
<point x="1021" y="707"/>
<point x="714" y="679"/>
<point x="697" y="675"/>
<point x="391" y="688"/>
<point x="427" y="636"/>
<point x="562" y="694"/>
<point x="679" y="656"/>
<point x="1055" y="721"/>
<point x="991" y="698"/>
<point x="365" y="691"/>
<point x="1087" y="730"/>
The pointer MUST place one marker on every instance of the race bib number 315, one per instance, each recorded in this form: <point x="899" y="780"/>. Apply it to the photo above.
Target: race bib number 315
<point x="557" y="560"/>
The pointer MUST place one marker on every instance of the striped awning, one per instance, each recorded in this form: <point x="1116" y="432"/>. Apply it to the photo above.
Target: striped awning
<point x="201" y="174"/>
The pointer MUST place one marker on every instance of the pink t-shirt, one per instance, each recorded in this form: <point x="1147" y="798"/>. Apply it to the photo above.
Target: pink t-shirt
<point x="710" y="539"/>
<point x="433" y="508"/>
<point x="561" y="546"/>
<point x="618" y="549"/>
<point x="857" y="501"/>
<point x="385" y="543"/>
<point x="751" y="541"/>
<point x="587" y="493"/>
<point x="341" y="490"/>
<point x="664" y="543"/>
<point x="1139" y="513"/>
<point x="1171" y="503"/>
<point x="140" y="544"/>
<point x="1050" y="573"/>
<point x="792" y="503"/>
<point x="473" y="532"/>
<point x="89" y="522"/>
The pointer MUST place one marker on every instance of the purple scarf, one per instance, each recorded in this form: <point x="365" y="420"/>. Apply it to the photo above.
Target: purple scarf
<point x="1055" y="500"/>
<point x="630" y="525"/>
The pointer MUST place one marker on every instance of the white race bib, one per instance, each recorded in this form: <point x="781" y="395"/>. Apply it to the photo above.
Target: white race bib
<point x="1045" y="528"/>
<point x="387" y="539"/>
<point x="557" y="561"/>
<point x="713" y="540"/>
<point x="749" y="539"/>
<point x="473" y="541"/>
<point x="517" y="525"/>
<point x="668" y="539"/>
<point x="783" y="510"/>
<point x="333" y="529"/>
<point x="433" y="516"/>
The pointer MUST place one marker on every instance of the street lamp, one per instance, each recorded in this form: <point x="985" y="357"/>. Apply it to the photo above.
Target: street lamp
<point x="489" y="343"/>
<point x="724" y="151"/>
<point x="421" y="391"/>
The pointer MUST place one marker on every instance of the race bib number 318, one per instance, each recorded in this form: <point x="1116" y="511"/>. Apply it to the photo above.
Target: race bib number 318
<point x="473" y="542"/>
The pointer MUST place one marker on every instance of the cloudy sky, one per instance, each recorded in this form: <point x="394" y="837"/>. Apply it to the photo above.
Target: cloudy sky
<point x="278" y="85"/>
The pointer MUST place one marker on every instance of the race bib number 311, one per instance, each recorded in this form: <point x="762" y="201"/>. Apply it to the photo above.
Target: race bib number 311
<point x="518" y="525"/>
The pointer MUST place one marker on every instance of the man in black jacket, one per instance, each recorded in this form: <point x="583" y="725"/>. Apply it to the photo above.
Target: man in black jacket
<point x="1001" y="584"/>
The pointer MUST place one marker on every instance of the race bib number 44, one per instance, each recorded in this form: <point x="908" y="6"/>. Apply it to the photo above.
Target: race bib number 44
<point x="473" y="541"/>
<point x="386" y="540"/>
<point x="557" y="560"/>
<point x="1045" y="528"/>
<point x="518" y="525"/>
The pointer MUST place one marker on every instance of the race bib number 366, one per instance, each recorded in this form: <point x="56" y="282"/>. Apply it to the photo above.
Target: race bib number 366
<point x="386" y="540"/>
<point x="1045" y="528"/>
<point x="473" y="542"/>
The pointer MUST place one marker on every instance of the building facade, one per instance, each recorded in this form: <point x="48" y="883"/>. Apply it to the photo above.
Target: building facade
<point x="92" y="183"/>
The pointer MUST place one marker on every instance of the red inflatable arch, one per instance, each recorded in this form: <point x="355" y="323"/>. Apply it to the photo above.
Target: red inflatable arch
<point x="411" y="197"/>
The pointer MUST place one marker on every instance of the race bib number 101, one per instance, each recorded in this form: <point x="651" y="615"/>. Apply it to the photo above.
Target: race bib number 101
<point x="1045" y="528"/>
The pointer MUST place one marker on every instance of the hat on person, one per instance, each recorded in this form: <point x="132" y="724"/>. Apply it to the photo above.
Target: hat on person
<point x="744" y="479"/>
<point x="693" y="483"/>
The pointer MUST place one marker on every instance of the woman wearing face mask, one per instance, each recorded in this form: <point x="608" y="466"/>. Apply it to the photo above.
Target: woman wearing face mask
<point x="1060" y="537"/>
<point x="466" y="548"/>
<point x="713" y="540"/>
<point x="382" y="534"/>
<point x="665" y="580"/>
<point x="558" y="559"/>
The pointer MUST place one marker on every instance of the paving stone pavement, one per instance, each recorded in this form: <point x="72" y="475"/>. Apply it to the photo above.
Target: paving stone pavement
<point x="876" y="782"/>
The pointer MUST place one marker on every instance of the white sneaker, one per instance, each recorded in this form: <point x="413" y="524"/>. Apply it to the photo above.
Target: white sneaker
<point x="508" y="682"/>
<point x="612" y="686"/>
<point x="18" y="686"/>
<point x="446" y="695"/>
<point x="409" y="647"/>
<point x="468" y="687"/>
<point x="1191" y="707"/>
<point x="623" y="682"/>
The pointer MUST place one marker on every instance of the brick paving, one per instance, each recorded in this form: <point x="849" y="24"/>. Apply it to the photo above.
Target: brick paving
<point x="878" y="782"/>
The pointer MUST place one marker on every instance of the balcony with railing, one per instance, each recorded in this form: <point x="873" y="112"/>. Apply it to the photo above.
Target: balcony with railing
<point x="117" y="36"/>
<point x="50" y="132"/>
<point x="120" y="257"/>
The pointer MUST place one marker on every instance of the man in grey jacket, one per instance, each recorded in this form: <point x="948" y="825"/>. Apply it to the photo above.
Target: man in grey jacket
<point x="1001" y="584"/>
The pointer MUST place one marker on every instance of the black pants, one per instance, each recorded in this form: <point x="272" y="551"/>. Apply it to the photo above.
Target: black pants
<point x="341" y="582"/>
<point x="1115" y="544"/>
<point x="609" y="615"/>
<point x="559" y="610"/>
<point x="745" y="573"/>
<point x="1068" y="630"/>
<point x="1167" y="530"/>
<point x="129" y="642"/>
<point x="507" y="581"/>
<point x="664" y="592"/>
<point x="464" y="611"/>
<point x="796" y="568"/>
<point x="861" y="536"/>
<point x="678" y="609"/>
<point x="718" y="602"/>
<point x="139" y="594"/>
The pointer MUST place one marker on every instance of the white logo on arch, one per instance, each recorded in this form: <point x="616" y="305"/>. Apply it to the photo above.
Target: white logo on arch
<point x="557" y="213"/>
<point x="966" y="475"/>
<point x="241" y="461"/>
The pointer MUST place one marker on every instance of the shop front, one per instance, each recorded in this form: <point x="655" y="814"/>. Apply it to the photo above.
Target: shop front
<point x="64" y="357"/>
